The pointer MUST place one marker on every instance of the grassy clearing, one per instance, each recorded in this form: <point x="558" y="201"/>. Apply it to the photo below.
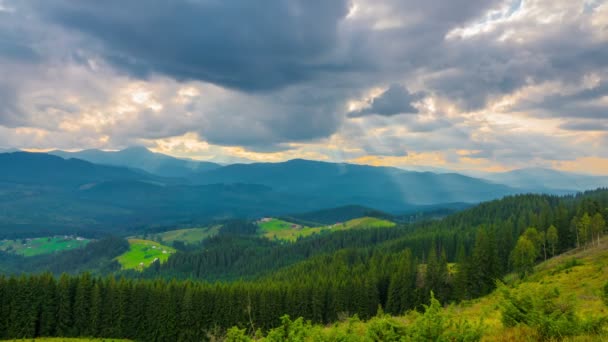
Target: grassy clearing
<point x="189" y="235"/>
<point x="142" y="253"/>
<point x="283" y="230"/>
<point x="43" y="245"/>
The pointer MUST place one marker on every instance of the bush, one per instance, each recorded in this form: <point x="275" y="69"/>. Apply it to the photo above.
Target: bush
<point x="385" y="328"/>
<point x="545" y="310"/>
<point x="437" y="324"/>
<point x="235" y="334"/>
<point x="297" y="331"/>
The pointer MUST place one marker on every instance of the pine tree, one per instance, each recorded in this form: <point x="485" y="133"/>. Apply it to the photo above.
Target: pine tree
<point x="82" y="304"/>
<point x="64" y="307"/>
<point x="48" y="306"/>
<point x="95" y="310"/>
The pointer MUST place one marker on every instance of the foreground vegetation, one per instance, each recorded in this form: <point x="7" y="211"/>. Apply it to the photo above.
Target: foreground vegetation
<point x="565" y="297"/>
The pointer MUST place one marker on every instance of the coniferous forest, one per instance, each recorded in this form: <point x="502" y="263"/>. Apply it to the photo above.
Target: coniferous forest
<point x="237" y="279"/>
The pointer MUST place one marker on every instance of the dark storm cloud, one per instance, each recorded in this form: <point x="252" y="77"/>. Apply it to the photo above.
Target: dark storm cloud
<point x="15" y="40"/>
<point x="240" y="44"/>
<point x="395" y="100"/>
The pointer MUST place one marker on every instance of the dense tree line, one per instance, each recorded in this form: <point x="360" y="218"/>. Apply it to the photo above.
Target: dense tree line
<point x="320" y="278"/>
<point x="234" y="257"/>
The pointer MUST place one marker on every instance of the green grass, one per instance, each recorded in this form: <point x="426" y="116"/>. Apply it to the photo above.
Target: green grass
<point x="366" y="222"/>
<point x="142" y="253"/>
<point x="582" y="279"/>
<point x="283" y="230"/>
<point x="189" y="235"/>
<point x="44" y="245"/>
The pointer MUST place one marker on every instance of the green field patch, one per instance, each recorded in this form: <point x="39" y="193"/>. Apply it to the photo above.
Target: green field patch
<point x="43" y="245"/>
<point x="276" y="229"/>
<point x="189" y="235"/>
<point x="364" y="222"/>
<point x="142" y="253"/>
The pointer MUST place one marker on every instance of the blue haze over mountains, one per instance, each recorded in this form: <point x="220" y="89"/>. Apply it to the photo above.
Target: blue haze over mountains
<point x="134" y="189"/>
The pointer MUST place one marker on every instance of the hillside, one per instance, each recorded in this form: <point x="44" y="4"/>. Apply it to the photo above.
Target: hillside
<point x="277" y="229"/>
<point x="333" y="215"/>
<point x="575" y="281"/>
<point x="47" y="170"/>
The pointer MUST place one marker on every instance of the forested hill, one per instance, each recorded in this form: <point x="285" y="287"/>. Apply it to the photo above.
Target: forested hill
<point x="238" y="256"/>
<point x="320" y="278"/>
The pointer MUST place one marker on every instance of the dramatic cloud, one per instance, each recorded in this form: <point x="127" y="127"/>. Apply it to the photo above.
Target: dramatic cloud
<point x="238" y="44"/>
<point x="395" y="100"/>
<point x="460" y="84"/>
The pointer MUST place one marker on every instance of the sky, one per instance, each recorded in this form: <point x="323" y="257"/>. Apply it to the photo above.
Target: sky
<point x="483" y="85"/>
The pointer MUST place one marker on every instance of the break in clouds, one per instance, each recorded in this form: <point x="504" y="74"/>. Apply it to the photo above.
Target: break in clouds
<point x="458" y="84"/>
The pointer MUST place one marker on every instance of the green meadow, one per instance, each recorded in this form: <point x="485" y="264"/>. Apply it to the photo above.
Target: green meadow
<point x="142" y="253"/>
<point x="276" y="229"/>
<point x="43" y="245"/>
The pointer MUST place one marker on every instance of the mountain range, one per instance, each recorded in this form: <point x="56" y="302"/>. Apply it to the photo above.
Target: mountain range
<point x="142" y="158"/>
<point x="136" y="189"/>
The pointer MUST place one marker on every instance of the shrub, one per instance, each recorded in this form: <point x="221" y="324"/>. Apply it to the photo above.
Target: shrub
<point x="235" y="334"/>
<point x="545" y="310"/>
<point x="297" y="331"/>
<point x="385" y="328"/>
<point x="437" y="324"/>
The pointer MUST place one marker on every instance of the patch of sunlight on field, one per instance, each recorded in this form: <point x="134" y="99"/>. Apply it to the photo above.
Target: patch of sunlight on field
<point x="142" y="253"/>
<point x="283" y="230"/>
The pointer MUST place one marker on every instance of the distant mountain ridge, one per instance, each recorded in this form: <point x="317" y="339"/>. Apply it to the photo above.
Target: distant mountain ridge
<point x="46" y="169"/>
<point x="386" y="188"/>
<point x="542" y="179"/>
<point x="141" y="158"/>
